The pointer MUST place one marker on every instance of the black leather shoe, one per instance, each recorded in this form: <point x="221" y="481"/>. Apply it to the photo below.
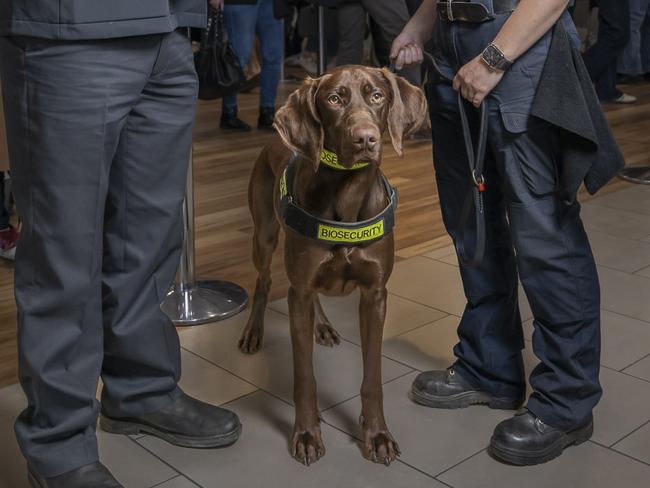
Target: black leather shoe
<point x="230" y="121"/>
<point x="92" y="475"/>
<point x="447" y="389"/>
<point x="187" y="422"/>
<point x="525" y="440"/>
<point x="265" y="121"/>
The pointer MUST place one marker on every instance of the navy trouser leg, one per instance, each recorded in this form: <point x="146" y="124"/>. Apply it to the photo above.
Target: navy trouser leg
<point x="558" y="273"/>
<point x="553" y="259"/>
<point x="490" y="332"/>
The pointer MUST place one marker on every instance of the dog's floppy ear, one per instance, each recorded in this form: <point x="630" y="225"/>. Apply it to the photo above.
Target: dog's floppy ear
<point x="298" y="122"/>
<point x="408" y="110"/>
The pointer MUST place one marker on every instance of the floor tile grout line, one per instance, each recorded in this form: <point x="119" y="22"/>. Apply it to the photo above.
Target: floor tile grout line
<point x="401" y="461"/>
<point x="595" y="203"/>
<point x="624" y="272"/>
<point x="358" y="394"/>
<point x="437" y="476"/>
<point x="135" y="441"/>
<point x="626" y="374"/>
<point x="270" y="307"/>
<point x="384" y="339"/>
<point x="259" y="388"/>
<point x="221" y="368"/>
<point x="424" y="304"/>
<point x="632" y="458"/>
<point x="172" y="479"/>
<point x="635" y="362"/>
<point x="625" y="315"/>
<point x="185" y="475"/>
<point x="629" y="434"/>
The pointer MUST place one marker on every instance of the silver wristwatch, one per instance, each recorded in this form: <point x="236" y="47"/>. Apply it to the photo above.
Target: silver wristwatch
<point x="495" y="59"/>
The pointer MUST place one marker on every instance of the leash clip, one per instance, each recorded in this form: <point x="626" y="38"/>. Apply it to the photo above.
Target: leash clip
<point x="479" y="182"/>
<point x="450" y="11"/>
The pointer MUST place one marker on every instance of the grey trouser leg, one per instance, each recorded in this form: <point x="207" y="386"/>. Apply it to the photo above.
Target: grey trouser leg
<point x="352" y="31"/>
<point x="99" y="136"/>
<point x="390" y="15"/>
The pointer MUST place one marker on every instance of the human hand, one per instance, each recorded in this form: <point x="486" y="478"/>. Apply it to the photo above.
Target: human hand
<point x="407" y="49"/>
<point x="217" y="4"/>
<point x="475" y="81"/>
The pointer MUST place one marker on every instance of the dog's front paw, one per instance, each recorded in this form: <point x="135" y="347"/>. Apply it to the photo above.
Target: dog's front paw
<point x="307" y="446"/>
<point x="326" y="335"/>
<point x="380" y="447"/>
<point x="251" y="341"/>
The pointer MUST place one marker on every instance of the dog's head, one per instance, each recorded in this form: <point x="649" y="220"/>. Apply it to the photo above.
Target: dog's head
<point x="347" y="111"/>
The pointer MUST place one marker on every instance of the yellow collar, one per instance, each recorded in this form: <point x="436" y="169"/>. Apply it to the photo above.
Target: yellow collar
<point x="328" y="158"/>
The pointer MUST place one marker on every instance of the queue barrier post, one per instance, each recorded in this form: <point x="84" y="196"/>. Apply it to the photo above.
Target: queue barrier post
<point x="191" y="301"/>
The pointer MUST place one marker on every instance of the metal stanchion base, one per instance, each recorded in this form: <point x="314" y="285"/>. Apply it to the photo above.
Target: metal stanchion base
<point x="636" y="174"/>
<point x="204" y="301"/>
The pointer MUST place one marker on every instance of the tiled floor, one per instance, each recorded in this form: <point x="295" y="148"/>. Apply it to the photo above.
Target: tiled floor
<point x="440" y="448"/>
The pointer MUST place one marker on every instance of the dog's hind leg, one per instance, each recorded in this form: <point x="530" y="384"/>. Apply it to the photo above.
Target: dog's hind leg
<point x="265" y="241"/>
<point x="324" y="333"/>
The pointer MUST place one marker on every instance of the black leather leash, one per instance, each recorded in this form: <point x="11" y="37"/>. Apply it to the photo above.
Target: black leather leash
<point x="476" y="160"/>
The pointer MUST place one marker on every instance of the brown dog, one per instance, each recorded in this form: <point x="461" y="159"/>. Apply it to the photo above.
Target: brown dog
<point x="345" y="111"/>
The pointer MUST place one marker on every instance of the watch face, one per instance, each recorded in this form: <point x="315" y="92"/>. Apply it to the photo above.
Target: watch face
<point x="492" y="56"/>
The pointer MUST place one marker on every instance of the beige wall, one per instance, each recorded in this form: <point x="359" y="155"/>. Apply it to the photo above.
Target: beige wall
<point x="4" y="156"/>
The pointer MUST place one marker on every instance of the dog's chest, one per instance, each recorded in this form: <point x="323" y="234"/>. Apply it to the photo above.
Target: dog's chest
<point x="342" y="270"/>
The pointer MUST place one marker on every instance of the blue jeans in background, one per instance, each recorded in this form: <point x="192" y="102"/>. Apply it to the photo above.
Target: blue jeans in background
<point x="635" y="60"/>
<point x="242" y="23"/>
<point x="613" y="35"/>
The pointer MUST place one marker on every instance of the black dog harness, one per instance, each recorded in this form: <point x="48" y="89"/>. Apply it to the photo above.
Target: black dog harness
<point x="330" y="231"/>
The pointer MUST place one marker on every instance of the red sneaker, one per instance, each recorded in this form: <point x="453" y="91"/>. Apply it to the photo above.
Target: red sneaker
<point x="8" y="239"/>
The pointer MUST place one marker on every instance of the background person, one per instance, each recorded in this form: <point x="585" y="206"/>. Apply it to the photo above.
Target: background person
<point x="389" y="17"/>
<point x="500" y="62"/>
<point x="634" y="63"/>
<point x="244" y="20"/>
<point x="8" y="235"/>
<point x="602" y="58"/>
<point x="99" y="161"/>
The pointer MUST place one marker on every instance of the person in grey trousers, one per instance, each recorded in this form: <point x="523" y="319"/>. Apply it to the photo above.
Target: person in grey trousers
<point x="389" y="16"/>
<point x="99" y="102"/>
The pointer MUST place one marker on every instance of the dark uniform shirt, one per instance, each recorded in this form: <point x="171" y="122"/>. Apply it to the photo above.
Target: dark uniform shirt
<point x="98" y="19"/>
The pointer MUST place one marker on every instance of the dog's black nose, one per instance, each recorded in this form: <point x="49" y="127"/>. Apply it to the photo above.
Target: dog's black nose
<point x="365" y="138"/>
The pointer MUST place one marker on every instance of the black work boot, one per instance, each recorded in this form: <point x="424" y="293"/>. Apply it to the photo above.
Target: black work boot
<point x="92" y="475"/>
<point x="265" y="120"/>
<point x="230" y="121"/>
<point x="186" y="422"/>
<point x="447" y="389"/>
<point x="525" y="440"/>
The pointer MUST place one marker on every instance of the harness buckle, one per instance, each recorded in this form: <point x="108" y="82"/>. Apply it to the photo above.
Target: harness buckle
<point x="450" y="11"/>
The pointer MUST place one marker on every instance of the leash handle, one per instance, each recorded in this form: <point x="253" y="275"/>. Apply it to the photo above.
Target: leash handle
<point x="476" y="162"/>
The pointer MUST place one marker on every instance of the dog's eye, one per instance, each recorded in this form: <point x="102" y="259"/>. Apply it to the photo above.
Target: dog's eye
<point x="377" y="97"/>
<point x="334" y="100"/>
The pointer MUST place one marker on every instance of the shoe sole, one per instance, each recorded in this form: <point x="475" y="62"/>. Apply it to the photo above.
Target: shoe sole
<point x="531" y="458"/>
<point x="464" y="400"/>
<point x="133" y="428"/>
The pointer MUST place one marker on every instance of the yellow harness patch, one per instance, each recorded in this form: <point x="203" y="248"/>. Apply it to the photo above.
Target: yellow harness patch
<point x="342" y="234"/>
<point x="328" y="158"/>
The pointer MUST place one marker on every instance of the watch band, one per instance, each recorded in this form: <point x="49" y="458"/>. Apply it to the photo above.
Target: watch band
<point x="495" y="59"/>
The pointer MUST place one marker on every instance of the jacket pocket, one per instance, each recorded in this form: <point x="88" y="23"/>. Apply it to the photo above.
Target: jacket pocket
<point x="531" y="155"/>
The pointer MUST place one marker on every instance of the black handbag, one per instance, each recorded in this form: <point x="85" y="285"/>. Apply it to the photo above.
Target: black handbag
<point x="217" y="66"/>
